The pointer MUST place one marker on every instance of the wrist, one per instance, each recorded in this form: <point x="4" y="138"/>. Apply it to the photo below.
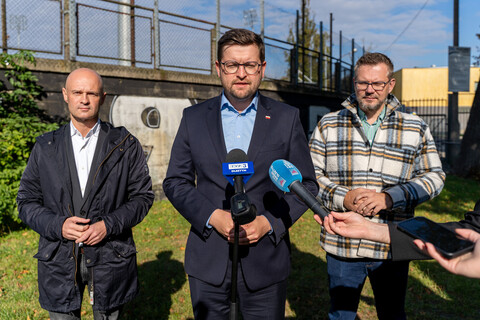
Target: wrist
<point x="388" y="200"/>
<point x="378" y="232"/>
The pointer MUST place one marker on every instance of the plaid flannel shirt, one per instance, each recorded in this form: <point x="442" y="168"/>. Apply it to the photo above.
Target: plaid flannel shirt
<point x="402" y="161"/>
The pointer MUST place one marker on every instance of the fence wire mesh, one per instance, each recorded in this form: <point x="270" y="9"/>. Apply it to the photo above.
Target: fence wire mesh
<point x="178" y="35"/>
<point x="33" y="25"/>
<point x="185" y="44"/>
<point x="435" y="113"/>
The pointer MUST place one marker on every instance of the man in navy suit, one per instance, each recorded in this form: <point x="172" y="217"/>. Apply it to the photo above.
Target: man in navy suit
<point x="266" y="130"/>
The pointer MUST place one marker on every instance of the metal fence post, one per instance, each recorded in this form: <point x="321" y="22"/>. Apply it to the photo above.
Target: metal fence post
<point x="320" y="59"/>
<point x="132" y="33"/>
<point x="331" y="52"/>
<point x="352" y="67"/>
<point x="340" y="47"/>
<point x="338" y="76"/>
<point x="124" y="30"/>
<point x="218" y="26"/>
<point x="156" y="35"/>
<point x="213" y="50"/>
<point x="4" y="26"/>
<point x="72" y="30"/>
<point x="295" y="61"/>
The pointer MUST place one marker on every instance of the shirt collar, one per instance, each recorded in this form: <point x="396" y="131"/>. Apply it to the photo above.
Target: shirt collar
<point x="363" y="116"/>
<point x="225" y="104"/>
<point x="94" y="131"/>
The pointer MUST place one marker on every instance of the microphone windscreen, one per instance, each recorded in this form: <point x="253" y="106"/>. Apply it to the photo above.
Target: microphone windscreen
<point x="236" y="155"/>
<point x="283" y="173"/>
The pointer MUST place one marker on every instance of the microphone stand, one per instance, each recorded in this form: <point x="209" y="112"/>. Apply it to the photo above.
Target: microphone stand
<point x="233" y="297"/>
<point x="242" y="212"/>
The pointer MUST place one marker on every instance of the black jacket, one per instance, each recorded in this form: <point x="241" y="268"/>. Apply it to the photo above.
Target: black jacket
<point x="120" y="195"/>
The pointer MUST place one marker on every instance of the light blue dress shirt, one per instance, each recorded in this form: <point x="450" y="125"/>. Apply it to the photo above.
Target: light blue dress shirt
<point x="238" y="127"/>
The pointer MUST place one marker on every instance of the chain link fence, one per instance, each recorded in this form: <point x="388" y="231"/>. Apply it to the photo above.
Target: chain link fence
<point x="177" y="35"/>
<point x="114" y="32"/>
<point x="435" y="113"/>
<point x="32" y="25"/>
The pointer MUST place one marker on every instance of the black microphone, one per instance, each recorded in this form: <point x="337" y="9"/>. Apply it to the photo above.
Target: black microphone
<point x="288" y="178"/>
<point x="237" y="169"/>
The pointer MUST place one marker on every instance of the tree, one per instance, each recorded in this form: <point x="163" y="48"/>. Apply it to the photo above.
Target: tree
<point x="477" y="58"/>
<point x="309" y="41"/>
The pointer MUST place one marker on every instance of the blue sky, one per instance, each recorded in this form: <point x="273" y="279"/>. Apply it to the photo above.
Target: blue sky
<point x="375" y="24"/>
<point x="425" y="42"/>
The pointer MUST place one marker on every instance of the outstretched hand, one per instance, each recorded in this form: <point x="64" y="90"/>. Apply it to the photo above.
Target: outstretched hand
<point x="352" y="225"/>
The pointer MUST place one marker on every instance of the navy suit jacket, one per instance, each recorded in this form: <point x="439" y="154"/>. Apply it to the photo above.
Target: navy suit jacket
<point x="196" y="187"/>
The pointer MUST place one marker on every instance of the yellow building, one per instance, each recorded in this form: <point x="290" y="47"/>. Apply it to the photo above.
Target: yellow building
<point x="431" y="86"/>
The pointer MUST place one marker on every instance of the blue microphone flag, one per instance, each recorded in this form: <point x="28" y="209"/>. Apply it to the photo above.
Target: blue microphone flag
<point x="232" y="169"/>
<point x="283" y="173"/>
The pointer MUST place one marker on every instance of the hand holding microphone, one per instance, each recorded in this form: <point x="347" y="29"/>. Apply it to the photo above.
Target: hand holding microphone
<point x="288" y="178"/>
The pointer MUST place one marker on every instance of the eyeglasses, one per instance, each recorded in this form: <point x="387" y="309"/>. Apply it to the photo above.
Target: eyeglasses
<point x="377" y="86"/>
<point x="250" y="67"/>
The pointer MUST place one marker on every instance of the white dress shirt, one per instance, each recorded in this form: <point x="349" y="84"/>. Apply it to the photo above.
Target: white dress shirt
<point x="83" y="150"/>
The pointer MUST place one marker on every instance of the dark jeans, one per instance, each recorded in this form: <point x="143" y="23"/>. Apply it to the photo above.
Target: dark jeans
<point x="347" y="277"/>
<point x="213" y="302"/>
<point x="83" y="280"/>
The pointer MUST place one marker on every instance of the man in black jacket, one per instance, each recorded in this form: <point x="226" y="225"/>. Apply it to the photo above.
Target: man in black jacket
<point x="353" y="225"/>
<point x="84" y="188"/>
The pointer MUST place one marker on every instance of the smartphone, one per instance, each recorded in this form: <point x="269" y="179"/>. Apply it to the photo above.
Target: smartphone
<point x="446" y="241"/>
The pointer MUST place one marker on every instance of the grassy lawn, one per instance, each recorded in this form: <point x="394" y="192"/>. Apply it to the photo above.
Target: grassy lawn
<point x="433" y="293"/>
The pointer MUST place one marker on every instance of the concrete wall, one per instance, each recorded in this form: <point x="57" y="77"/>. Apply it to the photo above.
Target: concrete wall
<point x="154" y="121"/>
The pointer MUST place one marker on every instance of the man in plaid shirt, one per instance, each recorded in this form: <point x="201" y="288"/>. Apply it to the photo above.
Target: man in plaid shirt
<point x="374" y="160"/>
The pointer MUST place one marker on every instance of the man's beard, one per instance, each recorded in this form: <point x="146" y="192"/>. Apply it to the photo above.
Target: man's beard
<point x="371" y="108"/>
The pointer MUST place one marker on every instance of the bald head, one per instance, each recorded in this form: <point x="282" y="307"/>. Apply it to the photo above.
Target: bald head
<point x="87" y="73"/>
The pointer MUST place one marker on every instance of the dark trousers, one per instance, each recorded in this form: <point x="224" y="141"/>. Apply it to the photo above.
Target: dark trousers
<point x="346" y="279"/>
<point x="213" y="302"/>
<point x="84" y="280"/>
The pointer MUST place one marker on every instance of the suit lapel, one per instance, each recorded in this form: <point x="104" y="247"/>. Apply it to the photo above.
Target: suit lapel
<point x="260" y="128"/>
<point x="215" y="130"/>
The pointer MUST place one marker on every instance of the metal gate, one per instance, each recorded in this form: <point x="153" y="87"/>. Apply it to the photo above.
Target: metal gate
<point x="435" y="113"/>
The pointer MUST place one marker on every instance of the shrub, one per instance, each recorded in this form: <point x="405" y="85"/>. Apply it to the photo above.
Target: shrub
<point x="20" y="94"/>
<point x="17" y="137"/>
<point x="20" y="123"/>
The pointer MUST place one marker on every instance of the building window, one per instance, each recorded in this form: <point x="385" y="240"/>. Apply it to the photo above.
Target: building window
<point x="151" y="117"/>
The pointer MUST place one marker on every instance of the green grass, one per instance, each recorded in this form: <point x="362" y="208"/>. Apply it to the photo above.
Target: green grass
<point x="433" y="293"/>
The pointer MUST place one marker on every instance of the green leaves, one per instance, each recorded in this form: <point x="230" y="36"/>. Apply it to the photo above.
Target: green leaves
<point x="20" y="123"/>
<point x="21" y="91"/>
<point x="17" y="137"/>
